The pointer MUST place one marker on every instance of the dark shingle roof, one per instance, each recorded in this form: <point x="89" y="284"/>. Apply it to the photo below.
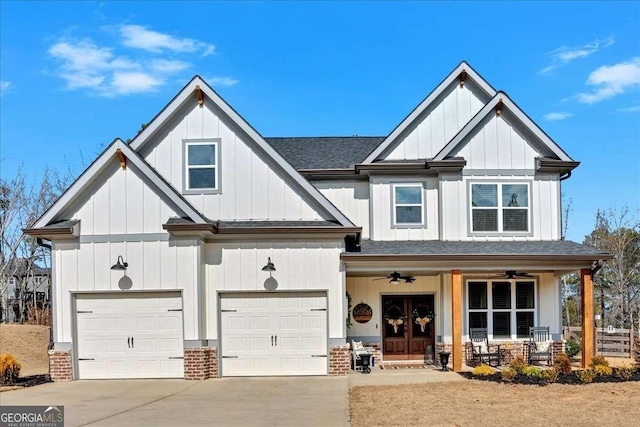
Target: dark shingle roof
<point x="438" y="247"/>
<point x="325" y="152"/>
<point x="261" y="224"/>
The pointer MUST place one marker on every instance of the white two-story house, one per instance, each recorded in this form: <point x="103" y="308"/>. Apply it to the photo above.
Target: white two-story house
<point x="202" y="249"/>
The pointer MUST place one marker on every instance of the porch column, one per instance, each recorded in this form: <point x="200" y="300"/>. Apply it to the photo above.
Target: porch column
<point x="588" y="331"/>
<point x="456" y="313"/>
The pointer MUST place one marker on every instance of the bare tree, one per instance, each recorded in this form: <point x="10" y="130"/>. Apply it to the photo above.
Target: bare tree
<point x="618" y="232"/>
<point x="21" y="204"/>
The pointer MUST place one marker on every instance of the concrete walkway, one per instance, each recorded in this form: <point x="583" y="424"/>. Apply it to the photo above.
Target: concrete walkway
<point x="310" y="401"/>
<point x="276" y="401"/>
<point x="401" y="376"/>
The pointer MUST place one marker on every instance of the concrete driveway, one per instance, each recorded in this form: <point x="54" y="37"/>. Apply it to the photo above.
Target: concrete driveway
<point x="307" y="401"/>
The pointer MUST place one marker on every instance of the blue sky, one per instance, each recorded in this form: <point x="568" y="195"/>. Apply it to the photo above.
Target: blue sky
<point x="76" y="75"/>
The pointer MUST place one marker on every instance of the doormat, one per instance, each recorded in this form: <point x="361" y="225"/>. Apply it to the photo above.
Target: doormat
<point x="404" y="367"/>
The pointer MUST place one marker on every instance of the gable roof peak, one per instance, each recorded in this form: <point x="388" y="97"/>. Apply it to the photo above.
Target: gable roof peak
<point x="457" y="73"/>
<point x="499" y="102"/>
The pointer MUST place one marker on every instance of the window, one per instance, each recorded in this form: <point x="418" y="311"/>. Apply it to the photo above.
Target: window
<point x="505" y="308"/>
<point x="407" y="204"/>
<point x="202" y="165"/>
<point x="500" y="208"/>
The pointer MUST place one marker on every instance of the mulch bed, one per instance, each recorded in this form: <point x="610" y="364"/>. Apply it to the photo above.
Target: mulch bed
<point x="571" y="378"/>
<point x="30" y="381"/>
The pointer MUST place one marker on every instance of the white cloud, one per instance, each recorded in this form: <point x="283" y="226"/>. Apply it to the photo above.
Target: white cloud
<point x="221" y="81"/>
<point x="139" y="37"/>
<point x="553" y="117"/>
<point x="5" y="86"/>
<point x="612" y="80"/>
<point x="564" y="54"/>
<point x="140" y="65"/>
<point x="629" y="109"/>
<point x="124" y="83"/>
<point x="83" y="64"/>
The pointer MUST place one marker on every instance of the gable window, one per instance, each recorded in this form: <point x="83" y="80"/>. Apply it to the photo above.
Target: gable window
<point x="408" y="203"/>
<point x="500" y="208"/>
<point x="202" y="166"/>
<point x="505" y="308"/>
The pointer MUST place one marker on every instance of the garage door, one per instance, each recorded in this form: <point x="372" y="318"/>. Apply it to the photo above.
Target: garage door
<point x="266" y="334"/>
<point x="129" y="336"/>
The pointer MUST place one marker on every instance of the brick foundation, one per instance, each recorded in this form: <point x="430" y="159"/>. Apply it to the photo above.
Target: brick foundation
<point x="200" y="363"/>
<point x="637" y="351"/>
<point x="60" y="365"/>
<point x="339" y="360"/>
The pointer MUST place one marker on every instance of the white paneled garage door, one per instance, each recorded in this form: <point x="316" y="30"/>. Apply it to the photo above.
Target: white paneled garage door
<point x="137" y="335"/>
<point x="273" y="334"/>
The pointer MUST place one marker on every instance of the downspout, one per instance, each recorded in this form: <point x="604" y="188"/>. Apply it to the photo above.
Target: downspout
<point x="564" y="176"/>
<point x="42" y="244"/>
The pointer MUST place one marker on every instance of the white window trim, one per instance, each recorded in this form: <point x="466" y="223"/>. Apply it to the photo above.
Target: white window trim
<point x="500" y="208"/>
<point x="395" y="223"/>
<point x="513" y="310"/>
<point x="216" y="167"/>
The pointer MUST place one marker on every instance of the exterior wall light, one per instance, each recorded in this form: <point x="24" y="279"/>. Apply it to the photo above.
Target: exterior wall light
<point x="121" y="265"/>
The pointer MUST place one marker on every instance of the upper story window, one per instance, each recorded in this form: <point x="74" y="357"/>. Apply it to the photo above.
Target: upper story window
<point x="500" y="208"/>
<point x="202" y="165"/>
<point x="408" y="204"/>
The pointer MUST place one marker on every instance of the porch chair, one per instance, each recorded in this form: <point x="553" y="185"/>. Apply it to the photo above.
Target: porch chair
<point x="357" y="349"/>
<point x="481" y="349"/>
<point x="539" y="344"/>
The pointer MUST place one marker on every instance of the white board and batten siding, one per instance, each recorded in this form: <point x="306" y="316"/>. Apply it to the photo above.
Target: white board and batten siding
<point x="129" y="335"/>
<point x="251" y="188"/>
<point x="545" y="198"/>
<point x="121" y="202"/>
<point x="351" y="197"/>
<point x="153" y="266"/>
<point x="382" y="200"/>
<point x="273" y="334"/>
<point x="300" y="266"/>
<point x="456" y="106"/>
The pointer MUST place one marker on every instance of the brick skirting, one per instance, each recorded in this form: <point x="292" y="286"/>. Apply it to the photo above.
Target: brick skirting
<point x="60" y="365"/>
<point x="200" y="363"/>
<point x="339" y="360"/>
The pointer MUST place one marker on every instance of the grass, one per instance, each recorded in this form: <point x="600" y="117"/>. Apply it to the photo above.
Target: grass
<point x="28" y="344"/>
<point x="480" y="403"/>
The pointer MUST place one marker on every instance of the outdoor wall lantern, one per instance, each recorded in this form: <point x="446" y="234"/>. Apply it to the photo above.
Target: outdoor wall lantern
<point x="269" y="267"/>
<point x="121" y="265"/>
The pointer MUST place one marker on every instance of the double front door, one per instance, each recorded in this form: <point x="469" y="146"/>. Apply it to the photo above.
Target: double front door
<point x="408" y="331"/>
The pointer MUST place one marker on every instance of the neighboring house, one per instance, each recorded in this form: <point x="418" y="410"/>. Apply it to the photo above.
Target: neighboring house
<point x="34" y="281"/>
<point x="202" y="249"/>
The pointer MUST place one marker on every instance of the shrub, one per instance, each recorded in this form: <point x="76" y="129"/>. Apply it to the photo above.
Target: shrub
<point x="562" y="364"/>
<point x="508" y="374"/>
<point x="9" y="369"/>
<point x="532" y="371"/>
<point x="602" y="370"/>
<point x="482" y="371"/>
<point x="518" y="364"/>
<point x="598" y="361"/>
<point x="624" y="372"/>
<point x="586" y="375"/>
<point x="550" y="375"/>
<point x="573" y="347"/>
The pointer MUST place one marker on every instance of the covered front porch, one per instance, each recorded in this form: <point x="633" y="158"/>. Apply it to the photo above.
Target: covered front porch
<point x="410" y="301"/>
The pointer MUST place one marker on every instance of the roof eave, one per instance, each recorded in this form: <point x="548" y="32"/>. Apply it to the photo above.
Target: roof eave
<point x="544" y="165"/>
<point x="349" y="256"/>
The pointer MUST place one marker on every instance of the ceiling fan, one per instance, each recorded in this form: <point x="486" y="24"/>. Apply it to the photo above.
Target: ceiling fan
<point x="511" y="274"/>
<point x="396" y="277"/>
